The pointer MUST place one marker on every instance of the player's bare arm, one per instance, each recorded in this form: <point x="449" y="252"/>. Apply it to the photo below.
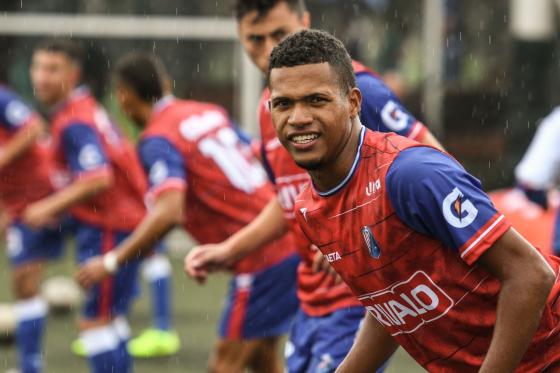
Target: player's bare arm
<point x="372" y="347"/>
<point x="21" y="142"/>
<point x="47" y="210"/>
<point x="269" y="225"/>
<point x="526" y="280"/>
<point x="166" y="212"/>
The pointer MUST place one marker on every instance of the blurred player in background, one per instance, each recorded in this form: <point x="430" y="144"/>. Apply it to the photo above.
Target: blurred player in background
<point x="329" y="317"/>
<point x="104" y="196"/>
<point x="539" y="170"/>
<point x="25" y="177"/>
<point x="204" y="177"/>
<point x="441" y="272"/>
<point x="160" y="339"/>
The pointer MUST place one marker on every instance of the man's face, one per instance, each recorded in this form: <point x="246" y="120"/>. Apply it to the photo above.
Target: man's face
<point x="260" y="35"/>
<point x="129" y="102"/>
<point x="53" y="76"/>
<point x="312" y="115"/>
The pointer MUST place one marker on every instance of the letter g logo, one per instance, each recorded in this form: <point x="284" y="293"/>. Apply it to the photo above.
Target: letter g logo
<point x="457" y="212"/>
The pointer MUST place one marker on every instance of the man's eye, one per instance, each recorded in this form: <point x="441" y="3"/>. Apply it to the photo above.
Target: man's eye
<point x="280" y="104"/>
<point x="316" y="100"/>
<point x="256" y="39"/>
<point x="278" y="35"/>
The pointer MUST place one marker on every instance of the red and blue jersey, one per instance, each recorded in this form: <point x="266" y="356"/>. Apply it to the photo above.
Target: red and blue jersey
<point x="192" y="146"/>
<point x="404" y="230"/>
<point x="381" y="111"/>
<point x="27" y="178"/>
<point x="86" y="143"/>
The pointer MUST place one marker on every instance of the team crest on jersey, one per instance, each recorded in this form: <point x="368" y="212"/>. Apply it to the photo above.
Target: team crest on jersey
<point x="458" y="210"/>
<point x="371" y="244"/>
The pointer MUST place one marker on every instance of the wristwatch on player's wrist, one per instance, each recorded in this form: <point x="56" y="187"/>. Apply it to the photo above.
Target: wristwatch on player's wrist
<point x="110" y="262"/>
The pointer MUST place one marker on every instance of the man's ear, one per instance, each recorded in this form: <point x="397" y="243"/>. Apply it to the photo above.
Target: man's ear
<point x="355" y="101"/>
<point x="306" y="19"/>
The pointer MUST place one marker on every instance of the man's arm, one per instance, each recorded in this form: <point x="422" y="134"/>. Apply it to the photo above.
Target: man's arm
<point x="92" y="171"/>
<point x="526" y="280"/>
<point x="430" y="139"/>
<point x="166" y="212"/>
<point x="269" y="225"/>
<point x="21" y="141"/>
<point x="45" y="211"/>
<point x="371" y="349"/>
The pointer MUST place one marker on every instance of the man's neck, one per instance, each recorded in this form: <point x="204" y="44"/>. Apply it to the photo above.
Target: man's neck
<point x="331" y="175"/>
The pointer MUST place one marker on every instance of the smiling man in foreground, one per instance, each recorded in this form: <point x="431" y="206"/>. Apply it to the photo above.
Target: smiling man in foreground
<point x="409" y="230"/>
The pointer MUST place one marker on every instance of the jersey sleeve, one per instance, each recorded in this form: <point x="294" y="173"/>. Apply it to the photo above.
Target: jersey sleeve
<point x="84" y="151"/>
<point x="163" y="164"/>
<point x="540" y="166"/>
<point x="435" y="196"/>
<point x="14" y="113"/>
<point x="382" y="111"/>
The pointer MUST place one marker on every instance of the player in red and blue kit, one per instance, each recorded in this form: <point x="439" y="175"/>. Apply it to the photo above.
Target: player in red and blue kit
<point x="330" y="315"/>
<point x="104" y="196"/>
<point x="418" y="242"/>
<point x="25" y="177"/>
<point x="204" y="177"/>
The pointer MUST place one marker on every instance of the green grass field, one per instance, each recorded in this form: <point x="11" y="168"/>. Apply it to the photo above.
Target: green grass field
<point x="197" y="310"/>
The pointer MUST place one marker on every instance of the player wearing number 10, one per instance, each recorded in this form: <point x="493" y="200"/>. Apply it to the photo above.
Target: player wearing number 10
<point x="204" y="177"/>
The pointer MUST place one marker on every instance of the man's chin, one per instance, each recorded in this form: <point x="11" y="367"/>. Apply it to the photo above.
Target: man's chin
<point x="309" y="165"/>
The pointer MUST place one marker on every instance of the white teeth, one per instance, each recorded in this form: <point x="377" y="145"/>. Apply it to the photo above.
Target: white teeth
<point x="304" y="139"/>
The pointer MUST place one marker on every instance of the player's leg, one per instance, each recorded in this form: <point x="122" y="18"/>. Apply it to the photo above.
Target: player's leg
<point x="260" y="309"/>
<point x="28" y="250"/>
<point x="233" y="356"/>
<point x="267" y="357"/>
<point x="103" y="335"/>
<point x="334" y="338"/>
<point x="297" y="351"/>
<point x="161" y="339"/>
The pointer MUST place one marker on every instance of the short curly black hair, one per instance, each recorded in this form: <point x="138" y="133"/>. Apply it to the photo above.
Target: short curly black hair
<point x="311" y="47"/>
<point x="262" y="7"/>
<point x="144" y="73"/>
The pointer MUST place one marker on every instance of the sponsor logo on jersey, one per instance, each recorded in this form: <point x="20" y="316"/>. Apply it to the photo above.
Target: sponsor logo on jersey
<point x="303" y="211"/>
<point x="14" y="242"/>
<point x="89" y="157"/>
<point x="406" y="306"/>
<point x="333" y="257"/>
<point x="458" y="210"/>
<point x="372" y="187"/>
<point x="371" y="244"/>
<point x="17" y="113"/>
<point x="394" y="117"/>
<point x="158" y="172"/>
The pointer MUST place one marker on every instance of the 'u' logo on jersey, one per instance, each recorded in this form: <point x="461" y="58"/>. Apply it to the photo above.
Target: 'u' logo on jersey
<point x="458" y="211"/>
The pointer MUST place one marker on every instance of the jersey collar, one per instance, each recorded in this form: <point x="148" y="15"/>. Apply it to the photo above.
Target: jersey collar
<point x="350" y="173"/>
<point x="163" y="102"/>
<point x="78" y="93"/>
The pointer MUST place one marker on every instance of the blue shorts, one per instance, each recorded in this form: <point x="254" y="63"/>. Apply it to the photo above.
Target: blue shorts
<point x="112" y="296"/>
<point x="261" y="304"/>
<point x="319" y="344"/>
<point x="25" y="245"/>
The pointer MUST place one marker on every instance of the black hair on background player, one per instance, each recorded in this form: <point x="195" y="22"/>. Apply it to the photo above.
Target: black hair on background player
<point x="66" y="46"/>
<point x="144" y="73"/>
<point x="262" y="7"/>
<point x="311" y="47"/>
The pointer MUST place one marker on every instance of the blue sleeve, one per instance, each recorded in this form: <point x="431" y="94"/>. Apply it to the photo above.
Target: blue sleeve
<point x="14" y="113"/>
<point x="434" y="195"/>
<point x="243" y="136"/>
<point x="161" y="161"/>
<point x="381" y="109"/>
<point x="266" y="165"/>
<point x="83" y="148"/>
